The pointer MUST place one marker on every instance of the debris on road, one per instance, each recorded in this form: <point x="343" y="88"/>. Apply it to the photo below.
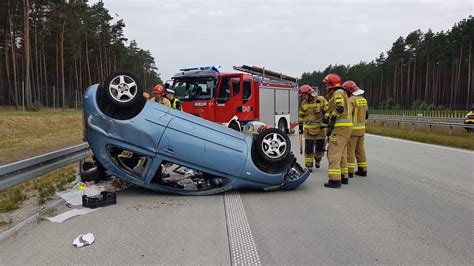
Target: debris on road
<point x="83" y="240"/>
<point x="105" y="198"/>
<point x="69" y="214"/>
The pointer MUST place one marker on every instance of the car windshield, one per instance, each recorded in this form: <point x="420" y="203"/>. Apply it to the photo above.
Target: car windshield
<point x="194" y="88"/>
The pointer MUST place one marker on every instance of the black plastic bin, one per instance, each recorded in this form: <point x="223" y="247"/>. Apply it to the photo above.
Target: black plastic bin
<point x="105" y="198"/>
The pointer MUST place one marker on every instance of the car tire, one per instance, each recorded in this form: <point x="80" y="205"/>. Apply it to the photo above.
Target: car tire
<point x="123" y="89"/>
<point x="282" y="125"/>
<point x="272" y="145"/>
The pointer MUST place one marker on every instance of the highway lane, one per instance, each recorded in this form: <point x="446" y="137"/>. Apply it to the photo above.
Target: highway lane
<point x="416" y="206"/>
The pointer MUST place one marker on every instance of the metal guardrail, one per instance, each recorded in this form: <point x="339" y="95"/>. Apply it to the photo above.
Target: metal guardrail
<point x="426" y="123"/>
<point x="414" y="118"/>
<point x="21" y="171"/>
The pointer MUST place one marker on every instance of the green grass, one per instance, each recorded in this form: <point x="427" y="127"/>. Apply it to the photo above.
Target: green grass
<point x="44" y="187"/>
<point x="460" y="138"/>
<point x="27" y="134"/>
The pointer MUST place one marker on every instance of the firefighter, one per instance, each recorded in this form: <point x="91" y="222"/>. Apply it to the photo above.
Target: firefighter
<point x="158" y="92"/>
<point x="339" y="131"/>
<point x="355" y="148"/>
<point x="310" y="117"/>
<point x="175" y="102"/>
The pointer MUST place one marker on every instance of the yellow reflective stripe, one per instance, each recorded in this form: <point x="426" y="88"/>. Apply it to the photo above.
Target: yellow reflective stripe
<point x="351" y="165"/>
<point x="356" y="115"/>
<point x="308" y="160"/>
<point x="358" y="127"/>
<point x="362" y="164"/>
<point x="302" y="113"/>
<point x="334" y="171"/>
<point x="347" y="124"/>
<point x="310" y="126"/>
<point x="344" y="171"/>
<point x="309" y="105"/>
<point x="361" y="102"/>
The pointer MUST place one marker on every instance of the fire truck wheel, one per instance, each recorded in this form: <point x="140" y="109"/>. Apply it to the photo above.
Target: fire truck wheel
<point x="282" y="125"/>
<point x="272" y="145"/>
<point x="123" y="89"/>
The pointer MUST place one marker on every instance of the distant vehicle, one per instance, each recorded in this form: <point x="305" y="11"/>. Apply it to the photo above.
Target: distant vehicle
<point x="234" y="99"/>
<point x="469" y="120"/>
<point x="135" y="139"/>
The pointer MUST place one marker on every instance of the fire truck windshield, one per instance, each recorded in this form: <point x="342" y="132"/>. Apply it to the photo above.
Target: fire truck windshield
<point x="196" y="88"/>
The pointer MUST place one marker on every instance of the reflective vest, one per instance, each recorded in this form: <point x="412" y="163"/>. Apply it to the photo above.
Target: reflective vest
<point x="176" y="104"/>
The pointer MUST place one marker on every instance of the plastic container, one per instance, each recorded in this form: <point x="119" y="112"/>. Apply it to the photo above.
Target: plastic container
<point x="105" y="198"/>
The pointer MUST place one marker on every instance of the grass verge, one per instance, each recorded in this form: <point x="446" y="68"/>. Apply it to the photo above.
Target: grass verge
<point x="27" y="134"/>
<point x="459" y="138"/>
<point x="43" y="187"/>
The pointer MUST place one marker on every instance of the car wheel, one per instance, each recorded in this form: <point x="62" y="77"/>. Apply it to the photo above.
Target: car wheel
<point x="272" y="145"/>
<point x="282" y="125"/>
<point x="123" y="89"/>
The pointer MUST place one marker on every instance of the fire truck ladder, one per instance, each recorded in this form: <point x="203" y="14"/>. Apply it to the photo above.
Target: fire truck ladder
<point x="268" y="75"/>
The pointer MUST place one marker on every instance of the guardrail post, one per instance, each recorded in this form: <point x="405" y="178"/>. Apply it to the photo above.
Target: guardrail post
<point x="384" y="123"/>
<point x="412" y="126"/>
<point x="398" y="124"/>
<point x="430" y="128"/>
<point x="81" y="162"/>
<point x="450" y="130"/>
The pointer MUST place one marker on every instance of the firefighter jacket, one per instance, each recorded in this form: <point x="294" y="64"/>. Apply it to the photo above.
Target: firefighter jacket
<point x="359" y="115"/>
<point x="311" y="115"/>
<point x="340" y="112"/>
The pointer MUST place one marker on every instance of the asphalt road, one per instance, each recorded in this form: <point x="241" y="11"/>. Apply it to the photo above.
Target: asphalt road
<point x="415" y="207"/>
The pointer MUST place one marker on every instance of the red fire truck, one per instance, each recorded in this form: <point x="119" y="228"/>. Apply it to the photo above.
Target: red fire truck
<point x="233" y="99"/>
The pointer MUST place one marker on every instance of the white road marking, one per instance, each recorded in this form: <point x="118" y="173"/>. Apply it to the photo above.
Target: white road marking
<point x="242" y="246"/>
<point x="424" y="144"/>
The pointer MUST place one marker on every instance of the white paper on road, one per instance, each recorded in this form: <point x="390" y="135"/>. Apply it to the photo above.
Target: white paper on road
<point x="74" y="196"/>
<point x="83" y="240"/>
<point x="69" y="214"/>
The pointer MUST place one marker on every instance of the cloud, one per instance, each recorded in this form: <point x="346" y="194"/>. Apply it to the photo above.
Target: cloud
<point x="287" y="36"/>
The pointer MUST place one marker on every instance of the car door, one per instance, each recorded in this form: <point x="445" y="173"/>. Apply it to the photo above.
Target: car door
<point x="229" y="98"/>
<point x="204" y="145"/>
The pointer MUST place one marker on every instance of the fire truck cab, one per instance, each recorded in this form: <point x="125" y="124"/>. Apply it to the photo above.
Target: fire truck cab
<point x="235" y="99"/>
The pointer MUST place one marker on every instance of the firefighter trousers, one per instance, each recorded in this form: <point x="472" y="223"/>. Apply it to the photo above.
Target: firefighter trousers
<point x="337" y="156"/>
<point x="313" y="151"/>
<point x="356" y="150"/>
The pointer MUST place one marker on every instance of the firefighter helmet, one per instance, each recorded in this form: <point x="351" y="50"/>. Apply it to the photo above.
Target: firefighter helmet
<point x="332" y="80"/>
<point x="306" y="89"/>
<point x="350" y="86"/>
<point x="158" y="89"/>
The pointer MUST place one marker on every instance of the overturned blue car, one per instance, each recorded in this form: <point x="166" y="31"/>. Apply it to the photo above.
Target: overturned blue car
<point x="140" y="141"/>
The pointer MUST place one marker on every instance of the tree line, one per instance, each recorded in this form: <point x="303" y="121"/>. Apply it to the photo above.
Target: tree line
<point x="52" y="50"/>
<point x="432" y="70"/>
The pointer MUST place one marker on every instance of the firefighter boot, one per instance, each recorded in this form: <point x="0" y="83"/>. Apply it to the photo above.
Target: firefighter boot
<point x="361" y="172"/>
<point x="351" y="175"/>
<point x="333" y="184"/>
<point x="317" y="164"/>
<point x="344" y="180"/>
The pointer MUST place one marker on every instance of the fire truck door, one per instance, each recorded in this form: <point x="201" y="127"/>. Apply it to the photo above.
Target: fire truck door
<point x="229" y="99"/>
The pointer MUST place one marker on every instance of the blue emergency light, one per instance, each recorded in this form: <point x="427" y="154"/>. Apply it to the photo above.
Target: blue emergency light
<point x="215" y="68"/>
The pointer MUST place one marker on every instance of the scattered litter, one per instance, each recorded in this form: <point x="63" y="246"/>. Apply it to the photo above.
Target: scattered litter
<point x="90" y="189"/>
<point x="69" y="214"/>
<point x="104" y="199"/>
<point x="83" y="240"/>
<point x="74" y="196"/>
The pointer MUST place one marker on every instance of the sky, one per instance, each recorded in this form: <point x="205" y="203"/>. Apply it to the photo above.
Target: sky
<point x="286" y="36"/>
